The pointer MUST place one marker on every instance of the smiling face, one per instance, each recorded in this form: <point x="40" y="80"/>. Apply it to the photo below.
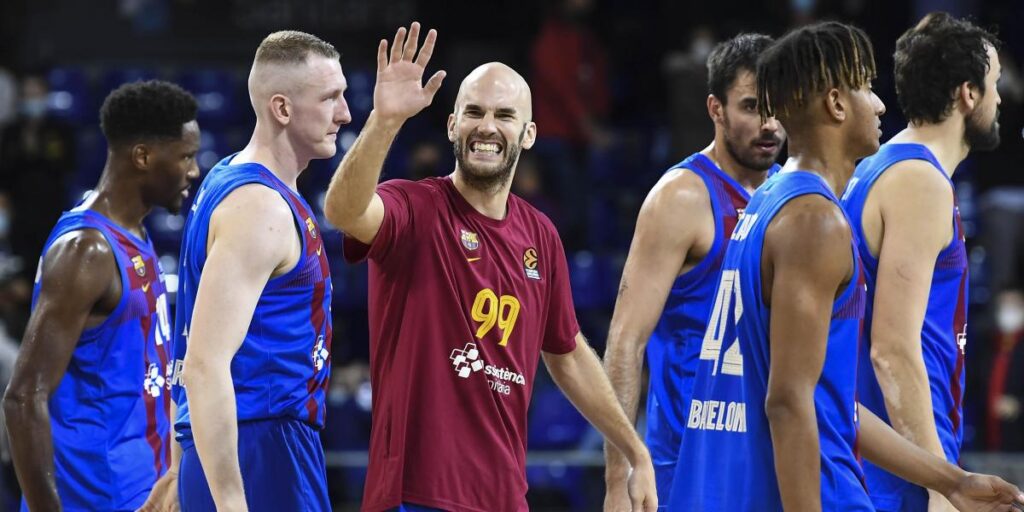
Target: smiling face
<point x="751" y="143"/>
<point x="491" y="125"/>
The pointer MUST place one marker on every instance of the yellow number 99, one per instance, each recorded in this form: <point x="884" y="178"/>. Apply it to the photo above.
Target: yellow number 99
<point x="488" y="309"/>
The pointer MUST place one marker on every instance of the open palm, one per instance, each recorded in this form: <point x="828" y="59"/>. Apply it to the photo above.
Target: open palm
<point x="399" y="93"/>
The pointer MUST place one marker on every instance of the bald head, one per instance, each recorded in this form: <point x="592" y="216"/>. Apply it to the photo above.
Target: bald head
<point x="495" y="84"/>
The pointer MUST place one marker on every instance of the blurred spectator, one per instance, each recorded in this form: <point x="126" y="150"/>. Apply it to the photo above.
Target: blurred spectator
<point x="1005" y="421"/>
<point x="686" y="76"/>
<point x="571" y="98"/>
<point x="528" y="185"/>
<point x="38" y="158"/>
<point x="426" y="160"/>
<point x="8" y="98"/>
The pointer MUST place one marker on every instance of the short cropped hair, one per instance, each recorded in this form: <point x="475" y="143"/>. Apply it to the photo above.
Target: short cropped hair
<point x="145" y="111"/>
<point x="810" y="60"/>
<point x="933" y="58"/>
<point x="292" y="47"/>
<point x="731" y="57"/>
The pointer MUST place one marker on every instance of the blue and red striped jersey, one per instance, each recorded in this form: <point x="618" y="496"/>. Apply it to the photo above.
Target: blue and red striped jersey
<point x="943" y="333"/>
<point x="283" y="365"/>
<point x="109" y="415"/>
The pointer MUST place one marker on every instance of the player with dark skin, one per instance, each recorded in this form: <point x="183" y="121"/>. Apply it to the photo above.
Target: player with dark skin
<point x="80" y="287"/>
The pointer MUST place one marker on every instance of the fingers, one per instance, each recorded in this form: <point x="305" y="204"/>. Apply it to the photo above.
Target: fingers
<point x="412" y="41"/>
<point x="428" y="49"/>
<point x="434" y="84"/>
<point x="396" y="46"/>
<point x="382" y="55"/>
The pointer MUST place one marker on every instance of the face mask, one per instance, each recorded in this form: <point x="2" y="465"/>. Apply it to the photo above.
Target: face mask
<point x="34" y="108"/>
<point x="1010" y="318"/>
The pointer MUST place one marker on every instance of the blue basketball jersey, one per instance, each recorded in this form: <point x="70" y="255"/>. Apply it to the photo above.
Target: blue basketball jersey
<point x="283" y="365"/>
<point x="109" y="415"/>
<point x="674" y="345"/>
<point x="726" y="462"/>
<point x="943" y="333"/>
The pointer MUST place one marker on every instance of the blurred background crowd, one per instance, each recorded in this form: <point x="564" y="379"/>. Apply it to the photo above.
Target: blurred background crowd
<point x="619" y="90"/>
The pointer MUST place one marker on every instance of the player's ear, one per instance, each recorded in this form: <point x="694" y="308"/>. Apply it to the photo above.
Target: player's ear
<point x="141" y="155"/>
<point x="835" y="105"/>
<point x="452" y="136"/>
<point x="715" y="109"/>
<point x="281" y="109"/>
<point x="529" y="135"/>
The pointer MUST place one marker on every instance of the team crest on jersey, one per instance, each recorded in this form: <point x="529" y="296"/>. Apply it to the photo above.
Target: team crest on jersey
<point x="470" y="240"/>
<point x="530" y="261"/>
<point x="140" y="265"/>
<point x="311" y="227"/>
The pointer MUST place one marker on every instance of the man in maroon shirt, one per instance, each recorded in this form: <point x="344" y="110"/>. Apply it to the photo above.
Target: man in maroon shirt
<point x="468" y="284"/>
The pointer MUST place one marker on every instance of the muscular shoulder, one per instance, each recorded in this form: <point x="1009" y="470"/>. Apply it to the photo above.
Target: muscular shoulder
<point x="257" y="220"/>
<point x="679" y="189"/>
<point x="916" y="185"/>
<point x="810" y="229"/>
<point x="80" y="260"/>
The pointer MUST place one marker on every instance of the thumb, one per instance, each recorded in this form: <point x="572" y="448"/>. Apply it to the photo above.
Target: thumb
<point x="434" y="84"/>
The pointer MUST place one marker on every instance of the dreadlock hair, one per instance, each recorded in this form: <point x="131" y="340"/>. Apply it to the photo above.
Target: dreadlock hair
<point x="811" y="60"/>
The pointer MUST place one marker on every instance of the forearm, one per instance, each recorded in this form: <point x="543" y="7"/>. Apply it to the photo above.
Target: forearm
<point x="903" y="378"/>
<point x="355" y="180"/>
<point x="624" y="365"/>
<point x="215" y="431"/>
<point x="579" y="375"/>
<point x="794" y="431"/>
<point x="175" y="462"/>
<point x="890" y="451"/>
<point x="28" y="426"/>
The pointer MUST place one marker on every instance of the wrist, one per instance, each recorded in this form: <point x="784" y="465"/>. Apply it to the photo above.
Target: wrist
<point x="951" y="477"/>
<point x="390" y="125"/>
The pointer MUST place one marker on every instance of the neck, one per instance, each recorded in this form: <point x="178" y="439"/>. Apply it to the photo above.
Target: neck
<point x="119" y="199"/>
<point x="945" y="140"/>
<point x="492" y="203"/>
<point x="823" y="156"/>
<point x="749" y="178"/>
<point x="271" y="148"/>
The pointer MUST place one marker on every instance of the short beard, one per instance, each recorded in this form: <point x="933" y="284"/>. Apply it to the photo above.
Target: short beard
<point x="482" y="180"/>
<point x="978" y="138"/>
<point x="742" y="159"/>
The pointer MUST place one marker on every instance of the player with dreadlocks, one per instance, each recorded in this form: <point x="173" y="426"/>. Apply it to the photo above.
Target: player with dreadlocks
<point x="773" y="419"/>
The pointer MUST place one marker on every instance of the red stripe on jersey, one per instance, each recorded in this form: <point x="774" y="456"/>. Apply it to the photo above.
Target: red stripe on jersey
<point x="959" y="337"/>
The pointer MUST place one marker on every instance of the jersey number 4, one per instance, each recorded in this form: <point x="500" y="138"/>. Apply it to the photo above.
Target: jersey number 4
<point x="727" y="298"/>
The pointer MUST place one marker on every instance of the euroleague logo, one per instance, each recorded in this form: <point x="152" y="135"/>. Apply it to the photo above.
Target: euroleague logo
<point x="530" y="261"/>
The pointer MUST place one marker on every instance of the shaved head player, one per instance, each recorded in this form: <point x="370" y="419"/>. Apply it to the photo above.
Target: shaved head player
<point x="469" y="286"/>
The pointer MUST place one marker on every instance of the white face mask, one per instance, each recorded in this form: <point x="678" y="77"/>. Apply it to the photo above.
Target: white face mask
<point x="1010" y="317"/>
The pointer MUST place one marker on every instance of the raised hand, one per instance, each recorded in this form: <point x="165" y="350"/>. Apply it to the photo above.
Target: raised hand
<point x="399" y="93"/>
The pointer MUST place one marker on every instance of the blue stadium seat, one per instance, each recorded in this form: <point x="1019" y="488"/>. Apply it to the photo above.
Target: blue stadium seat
<point x="217" y="92"/>
<point x="70" y="98"/>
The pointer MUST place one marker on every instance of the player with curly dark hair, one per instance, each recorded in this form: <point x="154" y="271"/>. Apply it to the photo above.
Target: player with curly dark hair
<point x="903" y="207"/>
<point x="89" y="407"/>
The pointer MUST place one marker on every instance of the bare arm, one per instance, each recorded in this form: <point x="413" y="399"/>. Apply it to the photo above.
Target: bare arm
<point x="77" y="274"/>
<point x="807" y="247"/>
<point x="579" y="375"/>
<point x="668" y="224"/>
<point x="967" y="491"/>
<point x="916" y="206"/>
<point x="352" y="204"/>
<point x="252" y="236"/>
